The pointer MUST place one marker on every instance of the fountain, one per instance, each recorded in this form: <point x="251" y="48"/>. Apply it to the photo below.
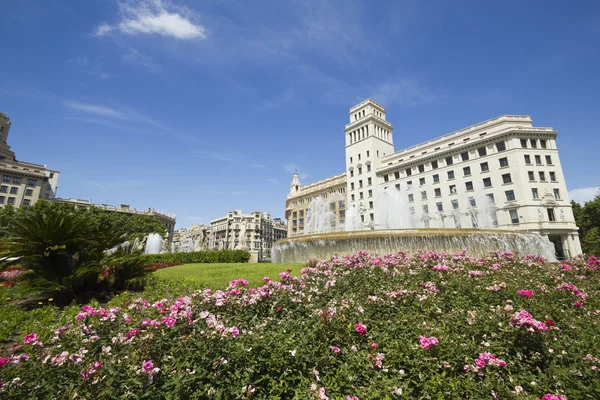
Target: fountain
<point x="397" y="229"/>
<point x="154" y="243"/>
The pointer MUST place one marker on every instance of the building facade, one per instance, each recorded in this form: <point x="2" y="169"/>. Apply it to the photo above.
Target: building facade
<point x="168" y="220"/>
<point x="23" y="183"/>
<point x="255" y="232"/>
<point x="503" y="173"/>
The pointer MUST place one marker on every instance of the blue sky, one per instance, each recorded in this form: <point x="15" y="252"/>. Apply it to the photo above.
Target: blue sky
<point x="200" y="107"/>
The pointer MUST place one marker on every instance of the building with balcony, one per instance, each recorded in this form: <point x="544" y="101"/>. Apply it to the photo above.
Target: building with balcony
<point x="22" y="183"/>
<point x="502" y="173"/>
<point x="255" y="232"/>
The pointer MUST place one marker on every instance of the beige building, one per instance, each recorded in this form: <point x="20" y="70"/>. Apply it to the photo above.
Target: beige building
<point x="22" y="183"/>
<point x="168" y="220"/>
<point x="255" y="232"/>
<point x="502" y="173"/>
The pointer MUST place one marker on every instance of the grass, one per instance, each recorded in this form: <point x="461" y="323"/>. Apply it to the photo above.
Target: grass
<point x="217" y="276"/>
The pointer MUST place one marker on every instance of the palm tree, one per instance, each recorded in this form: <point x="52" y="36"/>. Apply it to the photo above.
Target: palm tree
<point x="60" y="247"/>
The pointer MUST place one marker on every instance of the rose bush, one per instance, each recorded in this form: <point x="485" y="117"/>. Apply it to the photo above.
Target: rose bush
<point x="426" y="325"/>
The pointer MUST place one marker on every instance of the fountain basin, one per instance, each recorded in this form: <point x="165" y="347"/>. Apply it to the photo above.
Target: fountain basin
<point x="477" y="242"/>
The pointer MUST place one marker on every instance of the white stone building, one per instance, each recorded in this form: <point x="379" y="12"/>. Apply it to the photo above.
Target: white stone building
<point x="22" y="183"/>
<point x="255" y="232"/>
<point x="502" y="173"/>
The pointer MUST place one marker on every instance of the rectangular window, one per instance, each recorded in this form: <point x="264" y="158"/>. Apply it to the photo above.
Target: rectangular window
<point x="370" y="193"/>
<point x="542" y="176"/>
<point x="350" y="160"/>
<point x="352" y="197"/>
<point x="424" y="195"/>
<point x="368" y="167"/>
<point x="487" y="182"/>
<point x="359" y="157"/>
<point x="294" y="214"/>
<point x="360" y="195"/>
<point x="514" y="216"/>
<point x="301" y="221"/>
<point x="386" y="178"/>
<point x="452" y="189"/>
<point x="18" y="180"/>
<point x="533" y="143"/>
<point x="455" y="204"/>
<point x="527" y="159"/>
<point x="360" y="184"/>
<point x="359" y="170"/>
<point x="440" y="206"/>
<point x="408" y="171"/>
<point x="11" y="200"/>
<point x="31" y="182"/>
<point x="6" y="179"/>
<point x="482" y="151"/>
<point x="397" y="175"/>
<point x="469" y="185"/>
<point x="551" y="217"/>
<point x="490" y="197"/>
<point x="3" y="189"/>
<point x="409" y="185"/>
<point x="472" y="202"/>
<point x="524" y="143"/>
<point x="450" y="174"/>
<point x="506" y="178"/>
<point x="501" y="146"/>
<point x="531" y="176"/>
<point x="351" y="185"/>
<point x="510" y="195"/>
<point x="549" y="160"/>
<point x="351" y="173"/>
<point x="436" y="178"/>
<point x="421" y="181"/>
<point x="397" y="186"/>
<point x="467" y="171"/>
<point x="14" y="190"/>
<point x="438" y="192"/>
<point x="449" y="161"/>
<point x="557" y="194"/>
<point x="372" y="217"/>
<point x="538" y="160"/>
<point x="421" y="168"/>
<point x="434" y="165"/>
<point x="503" y="162"/>
<point x="369" y="181"/>
<point x="543" y="144"/>
<point x="2" y="199"/>
<point x="411" y="198"/>
<point x="464" y="156"/>
<point x="302" y="213"/>
<point x="552" y="176"/>
<point x="484" y="167"/>
<point x="332" y="206"/>
<point x="370" y="204"/>
<point x="367" y="153"/>
<point x="362" y="218"/>
<point x="534" y="193"/>
<point x="342" y="214"/>
<point x="29" y="192"/>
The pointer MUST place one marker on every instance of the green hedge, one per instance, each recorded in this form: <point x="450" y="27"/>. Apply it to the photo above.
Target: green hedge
<point x="204" y="256"/>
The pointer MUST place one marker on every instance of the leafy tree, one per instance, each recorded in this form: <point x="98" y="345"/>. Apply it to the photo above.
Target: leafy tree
<point x="587" y="218"/>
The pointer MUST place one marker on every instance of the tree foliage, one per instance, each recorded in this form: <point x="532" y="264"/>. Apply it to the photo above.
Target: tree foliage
<point x="587" y="218"/>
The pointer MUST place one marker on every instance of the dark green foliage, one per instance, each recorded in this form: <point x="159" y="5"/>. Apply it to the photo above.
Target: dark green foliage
<point x="204" y="256"/>
<point x="124" y="266"/>
<point x="587" y="218"/>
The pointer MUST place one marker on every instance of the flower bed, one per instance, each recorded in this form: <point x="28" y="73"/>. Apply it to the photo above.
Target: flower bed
<point x="426" y="325"/>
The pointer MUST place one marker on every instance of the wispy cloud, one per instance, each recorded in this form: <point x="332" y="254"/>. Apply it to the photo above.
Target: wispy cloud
<point x="584" y="194"/>
<point x="94" y="109"/>
<point x="136" y="57"/>
<point x="273" y="181"/>
<point x="278" y="101"/>
<point x="155" y="17"/>
<point x="213" y="155"/>
<point x="94" y="66"/>
<point x="293" y="168"/>
<point x="407" y="92"/>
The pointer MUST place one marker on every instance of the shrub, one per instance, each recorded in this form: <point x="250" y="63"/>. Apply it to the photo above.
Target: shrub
<point x="369" y="327"/>
<point x="204" y="256"/>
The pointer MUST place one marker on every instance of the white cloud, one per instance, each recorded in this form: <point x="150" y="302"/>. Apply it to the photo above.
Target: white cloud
<point x="94" y="109"/>
<point x="155" y="17"/>
<point x="584" y="194"/>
